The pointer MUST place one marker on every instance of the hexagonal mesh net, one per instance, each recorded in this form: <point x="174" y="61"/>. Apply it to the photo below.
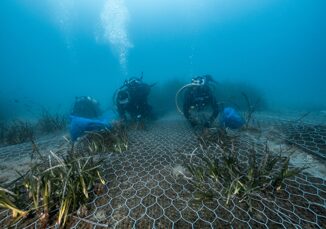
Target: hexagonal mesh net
<point x="311" y="138"/>
<point x="145" y="188"/>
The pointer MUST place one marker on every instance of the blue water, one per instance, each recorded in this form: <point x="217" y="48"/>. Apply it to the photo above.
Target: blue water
<point x="54" y="50"/>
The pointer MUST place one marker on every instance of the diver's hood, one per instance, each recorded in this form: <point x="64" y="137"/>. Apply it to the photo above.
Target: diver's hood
<point x="133" y="81"/>
<point x="85" y="98"/>
<point x="202" y="80"/>
<point x="199" y="81"/>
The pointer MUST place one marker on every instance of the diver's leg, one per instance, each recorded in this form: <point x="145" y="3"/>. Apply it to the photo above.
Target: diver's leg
<point x="186" y="112"/>
<point x="215" y="110"/>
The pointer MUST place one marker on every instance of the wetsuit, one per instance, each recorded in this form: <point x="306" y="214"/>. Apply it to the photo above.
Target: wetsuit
<point x="86" y="107"/>
<point x="199" y="97"/>
<point x="133" y="100"/>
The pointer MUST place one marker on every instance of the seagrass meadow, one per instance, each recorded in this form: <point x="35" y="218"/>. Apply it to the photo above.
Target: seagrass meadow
<point x="148" y="185"/>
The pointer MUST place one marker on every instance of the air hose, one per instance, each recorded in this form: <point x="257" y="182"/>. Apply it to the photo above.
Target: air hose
<point x="180" y="90"/>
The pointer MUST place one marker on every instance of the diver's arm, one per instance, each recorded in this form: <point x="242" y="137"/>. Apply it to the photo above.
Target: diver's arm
<point x="186" y="108"/>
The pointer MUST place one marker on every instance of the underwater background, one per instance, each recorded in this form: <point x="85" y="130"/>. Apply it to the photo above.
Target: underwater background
<point x="54" y="50"/>
<point x="257" y="160"/>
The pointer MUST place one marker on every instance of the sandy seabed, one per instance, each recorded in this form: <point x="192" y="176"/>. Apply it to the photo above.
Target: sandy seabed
<point x="146" y="188"/>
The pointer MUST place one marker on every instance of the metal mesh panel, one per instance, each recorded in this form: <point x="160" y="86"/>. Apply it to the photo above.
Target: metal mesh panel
<point x="145" y="190"/>
<point x="311" y="138"/>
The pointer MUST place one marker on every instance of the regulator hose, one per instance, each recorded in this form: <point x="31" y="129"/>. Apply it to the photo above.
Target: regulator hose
<point x="177" y="96"/>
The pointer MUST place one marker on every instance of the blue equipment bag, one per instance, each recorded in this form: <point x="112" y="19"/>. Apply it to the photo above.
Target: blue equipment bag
<point x="231" y="118"/>
<point x="80" y="125"/>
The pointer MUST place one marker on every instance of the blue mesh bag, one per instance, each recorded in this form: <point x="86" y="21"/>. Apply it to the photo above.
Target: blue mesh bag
<point x="230" y="118"/>
<point x="80" y="125"/>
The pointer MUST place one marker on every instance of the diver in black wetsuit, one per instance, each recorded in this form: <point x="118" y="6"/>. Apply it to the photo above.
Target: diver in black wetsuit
<point x="199" y="95"/>
<point x="86" y="107"/>
<point x="131" y="100"/>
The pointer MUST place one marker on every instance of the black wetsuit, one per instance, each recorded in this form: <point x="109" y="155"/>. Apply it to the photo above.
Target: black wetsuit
<point x="137" y="105"/>
<point x="199" y="97"/>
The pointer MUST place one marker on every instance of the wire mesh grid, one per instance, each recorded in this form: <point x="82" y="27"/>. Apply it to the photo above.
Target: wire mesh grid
<point x="146" y="189"/>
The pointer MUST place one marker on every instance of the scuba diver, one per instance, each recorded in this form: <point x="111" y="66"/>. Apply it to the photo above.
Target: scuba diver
<point x="198" y="97"/>
<point x="131" y="100"/>
<point x="86" y="116"/>
<point x="86" y="107"/>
